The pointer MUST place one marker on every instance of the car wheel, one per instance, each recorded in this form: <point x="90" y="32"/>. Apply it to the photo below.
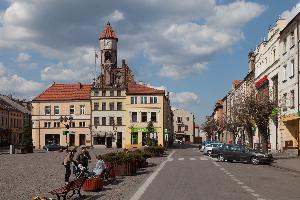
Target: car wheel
<point x="47" y="149"/>
<point x="254" y="160"/>
<point x="209" y="153"/>
<point x="221" y="158"/>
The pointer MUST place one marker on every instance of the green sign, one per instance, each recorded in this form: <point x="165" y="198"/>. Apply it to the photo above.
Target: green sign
<point x="141" y="129"/>
<point x="298" y="114"/>
<point x="65" y="132"/>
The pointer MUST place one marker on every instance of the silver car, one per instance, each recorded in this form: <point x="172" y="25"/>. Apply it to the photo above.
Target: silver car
<point x="208" y="148"/>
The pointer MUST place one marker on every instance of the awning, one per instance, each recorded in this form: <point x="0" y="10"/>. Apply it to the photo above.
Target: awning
<point x="98" y="133"/>
<point x="261" y="81"/>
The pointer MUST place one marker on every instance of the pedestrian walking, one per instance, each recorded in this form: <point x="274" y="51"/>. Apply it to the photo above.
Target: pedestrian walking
<point x="84" y="157"/>
<point x="67" y="163"/>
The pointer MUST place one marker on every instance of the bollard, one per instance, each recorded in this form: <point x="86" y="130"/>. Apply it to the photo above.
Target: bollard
<point x="11" y="149"/>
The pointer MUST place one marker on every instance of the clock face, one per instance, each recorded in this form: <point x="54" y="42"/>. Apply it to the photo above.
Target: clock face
<point x="107" y="43"/>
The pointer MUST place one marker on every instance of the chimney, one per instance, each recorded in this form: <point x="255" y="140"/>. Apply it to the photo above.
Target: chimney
<point x="80" y="85"/>
<point x="123" y="63"/>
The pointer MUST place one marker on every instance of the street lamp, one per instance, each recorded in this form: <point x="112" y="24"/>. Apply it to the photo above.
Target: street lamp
<point x="66" y="121"/>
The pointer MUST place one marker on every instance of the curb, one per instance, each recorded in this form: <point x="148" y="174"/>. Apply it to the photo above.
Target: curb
<point x="285" y="168"/>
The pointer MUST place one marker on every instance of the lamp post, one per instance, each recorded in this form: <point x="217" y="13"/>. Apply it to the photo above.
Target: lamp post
<point x="66" y="121"/>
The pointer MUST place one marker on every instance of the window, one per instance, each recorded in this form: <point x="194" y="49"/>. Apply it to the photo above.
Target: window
<point x="134" y="138"/>
<point x="103" y="121"/>
<point x="153" y="99"/>
<point x="292" y="100"/>
<point x="186" y="127"/>
<point x="81" y="124"/>
<point x="187" y="119"/>
<point x="144" y="117"/>
<point x="47" y="124"/>
<point x="284" y="99"/>
<point x="134" y="117"/>
<point x="103" y="106"/>
<point x="111" y="106"/>
<point x="118" y="93"/>
<point x="96" y="106"/>
<point x="284" y="73"/>
<point x="112" y="93"/>
<point x="274" y="54"/>
<point x="143" y="100"/>
<point x="103" y="93"/>
<point x="119" y="121"/>
<point x="56" y="110"/>
<point x="292" y="39"/>
<point x="72" y="124"/>
<point x="72" y="109"/>
<point x="47" y="110"/>
<point x="111" y="121"/>
<point x="96" y="121"/>
<point x="119" y="106"/>
<point x="292" y="68"/>
<point x="96" y="93"/>
<point x="179" y="129"/>
<point x="153" y="116"/>
<point x="284" y="45"/>
<point x="56" y="124"/>
<point x="179" y="119"/>
<point x="82" y="109"/>
<point x="133" y="100"/>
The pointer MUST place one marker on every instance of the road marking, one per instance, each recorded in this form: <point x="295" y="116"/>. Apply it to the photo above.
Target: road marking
<point x="222" y="169"/>
<point x="180" y="158"/>
<point x="260" y="199"/>
<point x="254" y="194"/>
<point x="240" y="183"/>
<point x="146" y="184"/>
<point x="170" y="159"/>
<point x="192" y="158"/>
<point x="245" y="187"/>
<point x="249" y="190"/>
<point x="203" y="158"/>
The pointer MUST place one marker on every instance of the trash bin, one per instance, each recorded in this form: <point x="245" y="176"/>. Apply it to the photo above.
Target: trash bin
<point x="11" y="149"/>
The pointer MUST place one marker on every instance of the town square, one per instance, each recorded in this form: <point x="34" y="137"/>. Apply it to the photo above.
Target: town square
<point x="138" y="100"/>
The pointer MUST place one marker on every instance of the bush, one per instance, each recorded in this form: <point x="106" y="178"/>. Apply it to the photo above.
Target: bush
<point x="155" y="150"/>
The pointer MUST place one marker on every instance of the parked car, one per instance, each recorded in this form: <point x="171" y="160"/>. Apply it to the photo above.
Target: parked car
<point x="219" y="150"/>
<point x="52" y="147"/>
<point x="208" y="148"/>
<point x="203" y="144"/>
<point x="242" y="154"/>
<point x="177" y="141"/>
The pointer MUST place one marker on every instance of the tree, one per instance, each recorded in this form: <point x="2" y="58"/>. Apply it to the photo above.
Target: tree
<point x="150" y="130"/>
<point x="209" y="126"/>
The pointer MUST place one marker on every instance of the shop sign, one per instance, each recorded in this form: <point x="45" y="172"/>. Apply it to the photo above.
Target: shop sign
<point x="65" y="132"/>
<point x="141" y="129"/>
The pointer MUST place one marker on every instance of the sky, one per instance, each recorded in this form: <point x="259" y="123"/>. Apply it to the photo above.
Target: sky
<point x="194" y="49"/>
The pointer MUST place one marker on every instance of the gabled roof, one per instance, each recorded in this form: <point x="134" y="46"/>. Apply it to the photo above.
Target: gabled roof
<point x="14" y="104"/>
<point x="108" y="33"/>
<point x="134" y="88"/>
<point x="61" y="92"/>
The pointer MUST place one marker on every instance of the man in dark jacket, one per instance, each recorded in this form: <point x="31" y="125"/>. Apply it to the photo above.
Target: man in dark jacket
<point x="84" y="157"/>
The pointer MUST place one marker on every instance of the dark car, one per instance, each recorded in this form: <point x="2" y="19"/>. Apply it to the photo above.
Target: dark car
<point x="242" y="154"/>
<point x="220" y="150"/>
<point x="52" y="147"/>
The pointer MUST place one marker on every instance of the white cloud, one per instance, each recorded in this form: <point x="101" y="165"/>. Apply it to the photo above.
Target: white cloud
<point x="176" y="35"/>
<point x="290" y="14"/>
<point x="13" y="83"/>
<point x="23" y="57"/>
<point x="184" y="98"/>
<point x="116" y="16"/>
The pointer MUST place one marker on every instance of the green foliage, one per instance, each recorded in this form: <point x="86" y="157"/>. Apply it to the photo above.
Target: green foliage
<point x="155" y="150"/>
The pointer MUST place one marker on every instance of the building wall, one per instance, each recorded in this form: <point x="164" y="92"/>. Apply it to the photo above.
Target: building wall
<point x="187" y="120"/>
<point x="41" y="134"/>
<point x="107" y="129"/>
<point x="138" y="126"/>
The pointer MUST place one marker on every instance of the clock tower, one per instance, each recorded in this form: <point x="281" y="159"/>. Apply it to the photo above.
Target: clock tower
<point x="108" y="47"/>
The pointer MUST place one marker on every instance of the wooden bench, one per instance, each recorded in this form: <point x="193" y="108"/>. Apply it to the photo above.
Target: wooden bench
<point x="74" y="185"/>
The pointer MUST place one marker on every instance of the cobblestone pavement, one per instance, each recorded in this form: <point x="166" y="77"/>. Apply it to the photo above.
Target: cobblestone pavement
<point x="24" y="175"/>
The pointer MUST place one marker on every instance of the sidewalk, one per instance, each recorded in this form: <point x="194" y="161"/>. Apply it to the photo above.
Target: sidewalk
<point x="291" y="164"/>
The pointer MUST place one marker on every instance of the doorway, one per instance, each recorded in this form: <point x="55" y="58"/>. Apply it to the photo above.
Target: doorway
<point x="109" y="142"/>
<point x="81" y="139"/>
<point x="72" y="140"/>
<point x="119" y="140"/>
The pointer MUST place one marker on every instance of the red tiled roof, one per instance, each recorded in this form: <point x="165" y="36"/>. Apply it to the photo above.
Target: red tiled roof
<point x="236" y="83"/>
<point x="108" y="33"/>
<point x="60" y="92"/>
<point x="134" y="88"/>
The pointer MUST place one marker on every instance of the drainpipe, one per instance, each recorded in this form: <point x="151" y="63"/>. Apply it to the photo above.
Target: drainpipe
<point x="298" y="84"/>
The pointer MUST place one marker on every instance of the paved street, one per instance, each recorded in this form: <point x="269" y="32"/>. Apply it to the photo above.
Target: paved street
<point x="189" y="175"/>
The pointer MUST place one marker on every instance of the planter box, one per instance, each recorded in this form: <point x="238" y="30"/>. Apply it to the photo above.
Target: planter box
<point x="127" y="169"/>
<point x="93" y="184"/>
